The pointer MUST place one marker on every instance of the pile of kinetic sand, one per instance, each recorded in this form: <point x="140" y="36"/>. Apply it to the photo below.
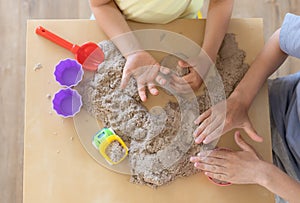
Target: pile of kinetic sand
<point x="160" y="142"/>
<point x="115" y="151"/>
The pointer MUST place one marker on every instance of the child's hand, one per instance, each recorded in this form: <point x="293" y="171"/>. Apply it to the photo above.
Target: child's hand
<point x="211" y="121"/>
<point x="240" y="167"/>
<point x="144" y="68"/>
<point x="187" y="82"/>
<point x="198" y="68"/>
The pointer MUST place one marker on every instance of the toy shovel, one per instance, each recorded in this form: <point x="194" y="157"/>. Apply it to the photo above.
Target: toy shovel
<point x="89" y="54"/>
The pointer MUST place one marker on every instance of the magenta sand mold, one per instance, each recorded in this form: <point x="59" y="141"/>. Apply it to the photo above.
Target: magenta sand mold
<point x="68" y="72"/>
<point x="67" y="102"/>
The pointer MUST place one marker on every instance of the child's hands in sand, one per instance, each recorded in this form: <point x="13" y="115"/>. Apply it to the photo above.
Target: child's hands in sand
<point x="187" y="82"/>
<point x="144" y="68"/>
<point x="235" y="115"/>
<point x="198" y="67"/>
<point x="239" y="167"/>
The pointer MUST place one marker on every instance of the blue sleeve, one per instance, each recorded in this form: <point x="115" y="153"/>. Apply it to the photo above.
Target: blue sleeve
<point x="289" y="38"/>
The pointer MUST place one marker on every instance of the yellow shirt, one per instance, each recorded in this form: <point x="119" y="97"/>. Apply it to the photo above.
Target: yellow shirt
<point x="159" y="11"/>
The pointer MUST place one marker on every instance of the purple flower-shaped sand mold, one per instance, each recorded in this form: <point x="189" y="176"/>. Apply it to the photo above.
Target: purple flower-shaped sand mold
<point x="67" y="102"/>
<point x="68" y="72"/>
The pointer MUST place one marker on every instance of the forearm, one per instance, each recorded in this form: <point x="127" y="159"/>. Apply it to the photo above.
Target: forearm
<point x="113" y="23"/>
<point x="218" y="17"/>
<point x="266" y="63"/>
<point x="109" y="18"/>
<point x="279" y="183"/>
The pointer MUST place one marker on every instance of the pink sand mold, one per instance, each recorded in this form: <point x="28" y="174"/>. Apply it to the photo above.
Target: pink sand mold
<point x="67" y="102"/>
<point x="68" y="72"/>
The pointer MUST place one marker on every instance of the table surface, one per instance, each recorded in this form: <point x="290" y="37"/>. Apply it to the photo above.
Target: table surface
<point x="57" y="168"/>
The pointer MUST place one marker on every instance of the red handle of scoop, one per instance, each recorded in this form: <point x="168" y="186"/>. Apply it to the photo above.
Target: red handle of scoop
<point x="56" y="39"/>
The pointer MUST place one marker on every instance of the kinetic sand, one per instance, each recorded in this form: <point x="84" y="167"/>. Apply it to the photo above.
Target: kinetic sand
<point x="160" y="145"/>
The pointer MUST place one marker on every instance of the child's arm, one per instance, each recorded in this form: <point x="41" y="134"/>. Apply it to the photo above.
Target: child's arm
<point x="279" y="183"/>
<point x="109" y="18"/>
<point x="268" y="60"/>
<point x="266" y="63"/>
<point x="218" y="17"/>
<point x="245" y="167"/>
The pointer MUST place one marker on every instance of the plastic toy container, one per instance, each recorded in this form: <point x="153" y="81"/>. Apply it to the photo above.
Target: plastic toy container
<point x="67" y="102"/>
<point x="68" y="72"/>
<point x="110" y="146"/>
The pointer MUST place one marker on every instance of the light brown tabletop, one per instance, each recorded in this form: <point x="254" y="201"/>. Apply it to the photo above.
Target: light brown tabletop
<point x="58" y="169"/>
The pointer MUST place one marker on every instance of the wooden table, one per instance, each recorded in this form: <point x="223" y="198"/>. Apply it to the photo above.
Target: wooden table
<point x="57" y="169"/>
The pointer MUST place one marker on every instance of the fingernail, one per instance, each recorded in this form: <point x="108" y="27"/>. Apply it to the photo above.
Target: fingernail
<point x="196" y="164"/>
<point x="162" y="81"/>
<point x="154" y="91"/>
<point x="198" y="140"/>
<point x="202" y="154"/>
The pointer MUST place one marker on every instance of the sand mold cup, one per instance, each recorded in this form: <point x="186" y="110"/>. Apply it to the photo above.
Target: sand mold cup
<point x="68" y="72"/>
<point x="67" y="102"/>
<point x="110" y="146"/>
